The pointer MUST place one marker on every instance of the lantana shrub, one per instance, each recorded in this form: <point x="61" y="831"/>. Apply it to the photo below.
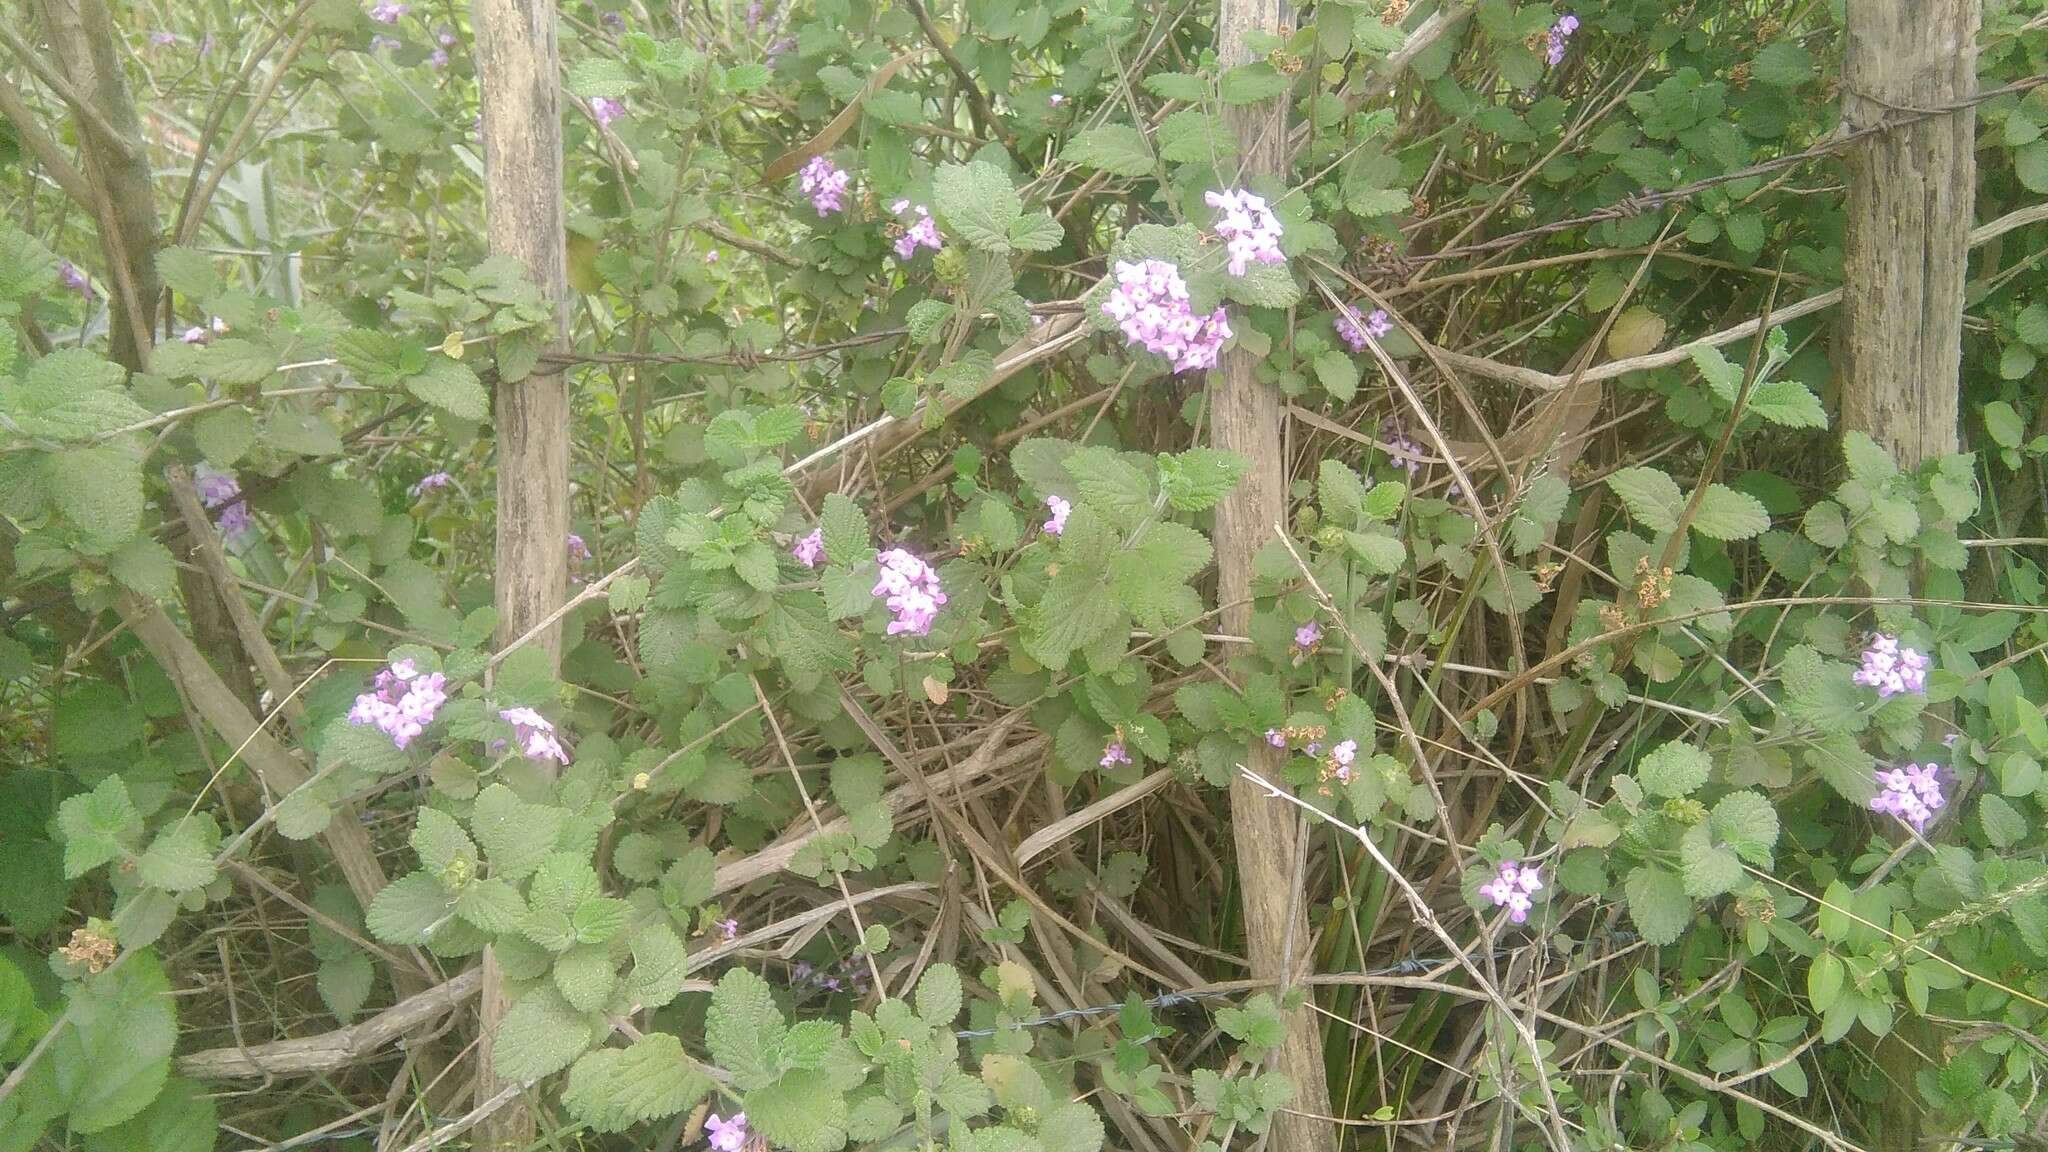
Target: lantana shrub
<point x="1667" y="755"/>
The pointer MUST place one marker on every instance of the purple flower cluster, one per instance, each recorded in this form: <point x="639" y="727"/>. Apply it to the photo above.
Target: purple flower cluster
<point x="444" y="39"/>
<point x="429" y="482"/>
<point x="578" y="550"/>
<point x="1276" y="738"/>
<point x="726" y="1135"/>
<point x="912" y="588"/>
<point x="1341" y="757"/>
<point x="1249" y="229"/>
<point x="1404" y="452"/>
<point x="1150" y="301"/>
<point x="1890" y="668"/>
<point x="1512" y="887"/>
<point x="924" y="233"/>
<point x="402" y="701"/>
<point x="218" y="490"/>
<point x="388" y="11"/>
<point x="1307" y="637"/>
<point x="1056" y="99"/>
<point x="69" y="275"/>
<point x="1376" y="326"/>
<point x="162" y="39"/>
<point x="1554" y="40"/>
<point x="851" y="975"/>
<point x="1911" y="793"/>
<point x="1113" y="754"/>
<point x="1059" y="508"/>
<point x="824" y="182"/>
<point x="809" y="550"/>
<point x="536" y="735"/>
<point x="604" y="110"/>
<point x="204" y="334"/>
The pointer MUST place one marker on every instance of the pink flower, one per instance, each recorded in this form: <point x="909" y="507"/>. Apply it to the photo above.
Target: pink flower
<point x="1376" y="326"/>
<point x="1401" y="450"/>
<point x="388" y="11"/>
<point x="1250" y="231"/>
<point x="912" y="589"/>
<point x="824" y="182"/>
<point x="923" y="233"/>
<point x="810" y="549"/>
<point x="401" y="701"/>
<point x="729" y="928"/>
<point x="1512" y="887"/>
<point x="1342" y="756"/>
<point x="69" y="275"/>
<point x="1911" y="793"/>
<point x="1056" y="99"/>
<point x="1307" y="636"/>
<point x="1060" y="508"/>
<point x="1274" y="738"/>
<point x="215" y="487"/>
<point x="578" y="550"/>
<point x="1890" y="668"/>
<point x="429" y="482"/>
<point x="604" y="110"/>
<point x="1553" y="50"/>
<point x="1114" y="754"/>
<point x="1150" y="302"/>
<point x="711" y="257"/>
<point x="536" y="735"/>
<point x="727" y="1135"/>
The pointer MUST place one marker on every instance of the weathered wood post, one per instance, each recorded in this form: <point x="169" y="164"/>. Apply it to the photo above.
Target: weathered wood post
<point x="1911" y="193"/>
<point x="518" y="71"/>
<point x="1246" y="419"/>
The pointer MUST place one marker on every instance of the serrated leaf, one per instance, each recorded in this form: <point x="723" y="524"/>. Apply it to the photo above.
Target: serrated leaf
<point x="451" y="386"/>
<point x="1251" y="83"/>
<point x="613" y="1089"/>
<point x="1653" y="498"/>
<point x="440" y="841"/>
<point x="99" y="493"/>
<point x="1036" y="232"/>
<point x="1338" y="374"/>
<point x="744" y="1029"/>
<point x="1674" y="769"/>
<point x="188" y="272"/>
<point x="515" y="835"/>
<point x="115" y="1056"/>
<point x="1748" y="825"/>
<point x="1657" y="904"/>
<point x="1787" y="403"/>
<point x="1709" y="868"/>
<point x="95" y="826"/>
<point x="1726" y="514"/>
<point x="409" y="909"/>
<point x="344" y="984"/>
<point x="1117" y="149"/>
<point x="491" y="904"/>
<point x="539" y="1036"/>
<point x="1177" y="86"/>
<point x="802" y="1113"/>
<point x="939" y="995"/>
<point x="1072" y="1127"/>
<point x="1867" y="461"/>
<point x="291" y="429"/>
<point x="978" y="202"/>
<point x="585" y="977"/>
<point x="180" y="859"/>
<point x="600" y="76"/>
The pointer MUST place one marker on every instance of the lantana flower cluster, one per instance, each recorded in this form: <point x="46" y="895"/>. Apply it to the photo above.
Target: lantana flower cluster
<point x="1404" y="451"/>
<point x="219" y="490"/>
<point x="402" y="701"/>
<point x="1113" y="754"/>
<point x="536" y="735"/>
<point x="1059" y="509"/>
<point x="1912" y="793"/>
<point x="726" y="1135"/>
<point x="429" y="483"/>
<point x="922" y="233"/>
<point x="1512" y="887"/>
<point x="388" y="11"/>
<point x="1555" y="39"/>
<point x="913" y="591"/>
<point x="604" y="110"/>
<point x="1376" y="326"/>
<point x="825" y="183"/>
<point x="1250" y="231"/>
<point x="1892" y="668"/>
<point x="1150" y="301"/>
<point x="809" y="550"/>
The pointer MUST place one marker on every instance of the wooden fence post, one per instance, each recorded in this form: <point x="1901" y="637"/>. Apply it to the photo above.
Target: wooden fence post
<point x="518" y="71"/>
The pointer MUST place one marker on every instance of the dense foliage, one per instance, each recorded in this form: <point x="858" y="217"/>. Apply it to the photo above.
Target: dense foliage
<point x="1672" y="757"/>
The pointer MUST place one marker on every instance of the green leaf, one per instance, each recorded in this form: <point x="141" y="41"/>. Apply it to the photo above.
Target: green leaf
<point x="95" y="826"/>
<point x="539" y="1036"/>
<point x="1674" y="769"/>
<point x="409" y="909"/>
<point x="180" y="1119"/>
<point x="1867" y="461"/>
<point x="99" y="493"/>
<point x="2031" y="325"/>
<point x="440" y="841"/>
<point x="1036" y="232"/>
<point x="802" y="1113"/>
<point x="492" y="904"/>
<point x="296" y="430"/>
<point x="1251" y="83"/>
<point x="1197" y="479"/>
<point x="114" y="1057"/>
<point x="1748" y="825"/>
<point x="451" y="386"/>
<point x="927" y="319"/>
<point x="1710" y="869"/>
<point x="1653" y="498"/>
<point x="188" y="272"/>
<point x="180" y="859"/>
<point x="145" y="566"/>
<point x="225" y="436"/>
<point x="1825" y="978"/>
<point x="1783" y="64"/>
<point x="1117" y="149"/>
<point x="659" y="966"/>
<point x="938" y="995"/>
<point x="613" y="1089"/>
<point x="1338" y="374"/>
<point x="344" y="984"/>
<point x="2031" y="164"/>
<point x="2003" y="825"/>
<point x="516" y="836"/>
<point x="1177" y="86"/>
<point x="2003" y="423"/>
<point x="236" y="363"/>
<point x="600" y="76"/>
<point x="1072" y="1127"/>
<point x="585" y="977"/>
<point x="1787" y="403"/>
<point x="744" y="1029"/>
<point x="1657" y="904"/>
<point x="1725" y="514"/>
<point x="978" y="202"/>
